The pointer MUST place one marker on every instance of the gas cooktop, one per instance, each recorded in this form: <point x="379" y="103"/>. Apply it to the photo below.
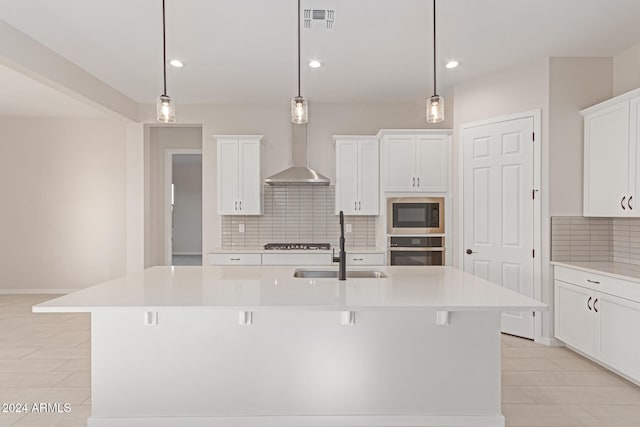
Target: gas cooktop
<point x="297" y="246"/>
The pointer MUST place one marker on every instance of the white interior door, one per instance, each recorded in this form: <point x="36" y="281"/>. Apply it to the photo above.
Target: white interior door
<point x="498" y="210"/>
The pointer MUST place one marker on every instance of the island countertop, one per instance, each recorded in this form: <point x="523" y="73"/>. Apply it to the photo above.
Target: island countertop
<point x="259" y="288"/>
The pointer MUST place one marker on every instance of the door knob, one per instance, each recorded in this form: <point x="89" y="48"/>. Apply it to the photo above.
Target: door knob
<point x="469" y="251"/>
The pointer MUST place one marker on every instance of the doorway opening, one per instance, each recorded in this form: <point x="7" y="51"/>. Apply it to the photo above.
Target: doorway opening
<point x="183" y="207"/>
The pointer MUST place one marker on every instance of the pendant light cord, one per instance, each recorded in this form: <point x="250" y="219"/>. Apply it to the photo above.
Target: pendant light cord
<point x="164" y="51"/>
<point x="435" y="92"/>
<point x="298" y="48"/>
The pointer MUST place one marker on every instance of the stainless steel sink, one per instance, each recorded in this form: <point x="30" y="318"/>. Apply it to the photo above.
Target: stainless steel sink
<point x="333" y="274"/>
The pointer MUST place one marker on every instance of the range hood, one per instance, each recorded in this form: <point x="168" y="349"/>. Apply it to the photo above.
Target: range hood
<point x="299" y="173"/>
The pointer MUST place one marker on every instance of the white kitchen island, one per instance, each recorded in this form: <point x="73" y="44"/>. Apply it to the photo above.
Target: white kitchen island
<point x="254" y="346"/>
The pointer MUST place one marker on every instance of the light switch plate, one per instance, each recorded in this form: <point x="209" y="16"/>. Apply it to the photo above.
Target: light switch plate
<point x="349" y="229"/>
<point x="240" y="228"/>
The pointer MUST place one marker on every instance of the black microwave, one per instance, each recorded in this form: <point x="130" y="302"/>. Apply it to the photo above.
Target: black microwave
<point x="415" y="215"/>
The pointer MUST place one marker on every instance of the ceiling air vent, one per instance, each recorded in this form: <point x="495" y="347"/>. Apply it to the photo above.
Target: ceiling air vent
<point x="321" y="19"/>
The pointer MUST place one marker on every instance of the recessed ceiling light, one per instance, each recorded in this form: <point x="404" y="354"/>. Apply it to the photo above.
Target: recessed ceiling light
<point x="315" y="64"/>
<point x="452" y="64"/>
<point x="176" y="63"/>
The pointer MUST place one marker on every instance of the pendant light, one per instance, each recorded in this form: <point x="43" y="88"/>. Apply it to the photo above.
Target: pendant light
<point x="165" y="107"/>
<point x="299" y="105"/>
<point x="435" y="104"/>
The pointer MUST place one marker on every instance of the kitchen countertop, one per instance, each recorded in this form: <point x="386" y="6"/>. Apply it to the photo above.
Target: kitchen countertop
<point x="261" y="250"/>
<point x="618" y="270"/>
<point x="254" y="288"/>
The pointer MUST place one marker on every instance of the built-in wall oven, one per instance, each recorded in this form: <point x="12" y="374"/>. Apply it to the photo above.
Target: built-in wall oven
<point x="416" y="250"/>
<point x="415" y="215"/>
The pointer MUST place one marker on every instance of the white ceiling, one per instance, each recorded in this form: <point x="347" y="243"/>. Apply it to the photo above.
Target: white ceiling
<point x="25" y="97"/>
<point x="244" y="50"/>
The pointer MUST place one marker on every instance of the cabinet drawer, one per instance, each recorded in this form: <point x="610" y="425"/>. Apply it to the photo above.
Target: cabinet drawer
<point x="296" y="259"/>
<point x="234" y="259"/>
<point x="365" y="259"/>
<point x="598" y="282"/>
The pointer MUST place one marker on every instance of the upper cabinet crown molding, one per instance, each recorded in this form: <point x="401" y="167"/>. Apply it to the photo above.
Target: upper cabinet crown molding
<point x="384" y="132"/>
<point x="610" y="102"/>
<point x="239" y="174"/>
<point x="612" y="157"/>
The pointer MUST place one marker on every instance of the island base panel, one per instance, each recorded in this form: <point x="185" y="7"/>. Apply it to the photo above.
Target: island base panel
<point x="303" y="368"/>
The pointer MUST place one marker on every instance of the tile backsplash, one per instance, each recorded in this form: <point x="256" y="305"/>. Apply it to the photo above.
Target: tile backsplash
<point x="576" y="238"/>
<point x="297" y="214"/>
<point x="595" y="239"/>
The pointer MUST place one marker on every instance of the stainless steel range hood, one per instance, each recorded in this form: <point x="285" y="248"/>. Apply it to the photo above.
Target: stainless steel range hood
<point x="299" y="173"/>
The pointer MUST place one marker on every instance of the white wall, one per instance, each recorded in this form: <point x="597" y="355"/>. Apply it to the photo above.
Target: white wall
<point x="187" y="212"/>
<point x="626" y="70"/>
<point x="159" y="139"/>
<point x="63" y="198"/>
<point x="574" y="84"/>
<point x="273" y="121"/>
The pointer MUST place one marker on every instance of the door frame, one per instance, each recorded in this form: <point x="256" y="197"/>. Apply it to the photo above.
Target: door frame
<point x="168" y="178"/>
<point x="536" y="115"/>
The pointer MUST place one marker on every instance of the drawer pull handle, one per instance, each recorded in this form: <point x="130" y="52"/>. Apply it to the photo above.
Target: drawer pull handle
<point x="588" y="303"/>
<point x="595" y="307"/>
<point x="622" y="203"/>
<point x="357" y="259"/>
<point x="234" y="259"/>
<point x="593" y="281"/>
<point x="629" y="202"/>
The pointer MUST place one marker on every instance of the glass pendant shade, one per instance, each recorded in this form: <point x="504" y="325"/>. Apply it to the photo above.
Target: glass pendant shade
<point x="299" y="110"/>
<point x="435" y="109"/>
<point x="166" y="109"/>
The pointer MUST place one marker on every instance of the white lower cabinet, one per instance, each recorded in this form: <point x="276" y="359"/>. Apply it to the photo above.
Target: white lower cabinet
<point x="574" y="319"/>
<point x="297" y="259"/>
<point x="616" y="337"/>
<point x="365" y="259"/>
<point x="591" y="319"/>
<point x="235" y="259"/>
<point x="284" y="259"/>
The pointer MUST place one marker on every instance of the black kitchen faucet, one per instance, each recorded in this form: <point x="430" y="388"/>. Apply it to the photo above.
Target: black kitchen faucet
<point x="342" y="256"/>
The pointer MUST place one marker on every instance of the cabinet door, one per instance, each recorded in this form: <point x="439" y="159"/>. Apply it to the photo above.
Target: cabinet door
<point x="297" y="259"/>
<point x="606" y="161"/>
<point x="368" y="173"/>
<point x="250" y="183"/>
<point x="432" y="163"/>
<point x="400" y="163"/>
<point x="634" y="156"/>
<point x="234" y="258"/>
<point x="574" y="321"/>
<point x="347" y="176"/>
<point x="616" y="342"/>
<point x="228" y="173"/>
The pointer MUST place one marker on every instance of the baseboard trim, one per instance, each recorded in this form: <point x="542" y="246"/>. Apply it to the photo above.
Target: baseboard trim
<point x="37" y="291"/>
<point x="303" y="421"/>
<point x="551" y="342"/>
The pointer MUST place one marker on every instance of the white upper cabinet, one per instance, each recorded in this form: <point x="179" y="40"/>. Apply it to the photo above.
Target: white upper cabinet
<point x="357" y="171"/>
<point x="611" y="157"/>
<point x="416" y="161"/>
<point x="239" y="175"/>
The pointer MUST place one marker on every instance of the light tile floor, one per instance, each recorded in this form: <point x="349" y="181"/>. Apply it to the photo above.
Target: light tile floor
<point x="45" y="358"/>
